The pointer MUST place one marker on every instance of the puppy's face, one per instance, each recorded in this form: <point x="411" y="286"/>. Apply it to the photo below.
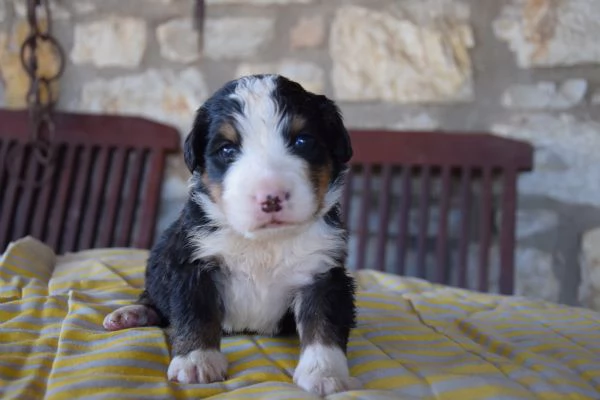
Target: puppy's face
<point x="268" y="154"/>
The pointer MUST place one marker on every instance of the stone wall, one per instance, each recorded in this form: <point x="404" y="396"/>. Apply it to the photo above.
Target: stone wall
<point x="527" y="69"/>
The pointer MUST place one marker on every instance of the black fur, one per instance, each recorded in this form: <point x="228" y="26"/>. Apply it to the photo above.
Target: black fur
<point x="327" y="313"/>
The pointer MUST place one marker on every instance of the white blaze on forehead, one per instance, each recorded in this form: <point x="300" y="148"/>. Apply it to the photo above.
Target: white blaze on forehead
<point x="261" y="120"/>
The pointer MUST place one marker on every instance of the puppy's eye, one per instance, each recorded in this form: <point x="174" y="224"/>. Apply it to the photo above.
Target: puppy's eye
<point x="303" y="142"/>
<point x="228" y="153"/>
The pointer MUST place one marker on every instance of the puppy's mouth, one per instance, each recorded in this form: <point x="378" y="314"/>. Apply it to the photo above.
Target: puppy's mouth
<point x="275" y="224"/>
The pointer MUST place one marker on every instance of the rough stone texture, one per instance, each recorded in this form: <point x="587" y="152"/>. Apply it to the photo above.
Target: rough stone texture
<point x="2" y="11"/>
<point x="309" y="75"/>
<point x="15" y="78"/>
<point x="549" y="160"/>
<point x="415" y="63"/>
<point x="589" y="289"/>
<point x="532" y="222"/>
<point x="546" y="95"/>
<point x="110" y="42"/>
<point x="575" y="141"/>
<point x="237" y="37"/>
<point x="535" y="277"/>
<point x="84" y="7"/>
<point x="546" y="33"/>
<point x="596" y="98"/>
<point x="308" y="32"/>
<point x="167" y="96"/>
<point x="173" y="195"/>
<point x="178" y="40"/>
<point x="417" y="121"/>
<point x="56" y="8"/>
<point x="534" y="273"/>
<point x="257" y="2"/>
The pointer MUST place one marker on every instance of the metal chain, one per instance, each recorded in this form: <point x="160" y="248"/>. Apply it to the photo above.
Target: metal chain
<point x="41" y="118"/>
<point x="199" y="13"/>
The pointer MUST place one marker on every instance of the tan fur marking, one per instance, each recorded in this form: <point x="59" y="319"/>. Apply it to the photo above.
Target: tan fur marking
<point x="321" y="179"/>
<point x="298" y="123"/>
<point x="229" y="132"/>
<point x="214" y="190"/>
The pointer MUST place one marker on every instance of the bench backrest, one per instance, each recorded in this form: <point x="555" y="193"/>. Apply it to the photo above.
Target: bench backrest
<point x="436" y="205"/>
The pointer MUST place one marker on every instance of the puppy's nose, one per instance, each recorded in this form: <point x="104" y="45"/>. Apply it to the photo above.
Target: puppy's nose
<point x="272" y="202"/>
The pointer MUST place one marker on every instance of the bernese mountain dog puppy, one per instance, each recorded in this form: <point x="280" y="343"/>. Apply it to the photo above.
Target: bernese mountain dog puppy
<point x="259" y="247"/>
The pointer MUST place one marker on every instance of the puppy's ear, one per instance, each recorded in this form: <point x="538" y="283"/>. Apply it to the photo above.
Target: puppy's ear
<point x="334" y="123"/>
<point x="195" y="142"/>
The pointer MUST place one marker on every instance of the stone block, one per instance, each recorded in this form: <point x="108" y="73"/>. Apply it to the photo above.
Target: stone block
<point x="84" y="7"/>
<point x="163" y="95"/>
<point x="546" y="95"/>
<point x="417" y="121"/>
<point x="573" y="142"/>
<point x="534" y="275"/>
<point x="257" y="2"/>
<point x="534" y="272"/>
<point x="532" y="222"/>
<point x="237" y="37"/>
<point x="3" y="11"/>
<point x="550" y="33"/>
<point x="589" y="288"/>
<point x="15" y="78"/>
<point x="596" y="97"/>
<point x="400" y="56"/>
<point x="309" y="75"/>
<point x="110" y="42"/>
<point x="178" y="40"/>
<point x="309" y="32"/>
<point x="58" y="10"/>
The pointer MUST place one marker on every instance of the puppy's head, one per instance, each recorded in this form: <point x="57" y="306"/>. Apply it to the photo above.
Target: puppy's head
<point x="267" y="154"/>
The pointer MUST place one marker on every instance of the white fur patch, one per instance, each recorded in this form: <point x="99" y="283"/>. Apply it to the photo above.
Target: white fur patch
<point x="199" y="366"/>
<point x="323" y="370"/>
<point x="262" y="276"/>
<point x="130" y="316"/>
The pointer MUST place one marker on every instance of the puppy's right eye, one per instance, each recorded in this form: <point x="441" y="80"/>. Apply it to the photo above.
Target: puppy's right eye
<point x="228" y="153"/>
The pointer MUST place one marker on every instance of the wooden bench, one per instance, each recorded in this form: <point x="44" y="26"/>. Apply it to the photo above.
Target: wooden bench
<point x="440" y="206"/>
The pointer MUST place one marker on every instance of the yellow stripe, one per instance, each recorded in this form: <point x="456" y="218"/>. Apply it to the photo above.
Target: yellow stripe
<point x="392" y="382"/>
<point x="165" y="392"/>
<point x="22" y="393"/>
<point x="370" y="366"/>
<point x="483" y="392"/>
<point x="41" y="275"/>
<point x="247" y="365"/>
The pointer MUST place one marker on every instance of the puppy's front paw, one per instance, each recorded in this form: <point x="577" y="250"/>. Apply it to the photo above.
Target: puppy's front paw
<point x="323" y="370"/>
<point x="326" y="385"/>
<point x="199" y="366"/>
<point x="132" y="316"/>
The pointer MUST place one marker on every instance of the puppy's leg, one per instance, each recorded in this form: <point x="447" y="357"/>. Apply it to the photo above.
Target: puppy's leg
<point x="135" y="315"/>
<point x="325" y="313"/>
<point x="196" y="315"/>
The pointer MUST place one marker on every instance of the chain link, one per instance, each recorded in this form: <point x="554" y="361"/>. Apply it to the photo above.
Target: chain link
<point x="41" y="110"/>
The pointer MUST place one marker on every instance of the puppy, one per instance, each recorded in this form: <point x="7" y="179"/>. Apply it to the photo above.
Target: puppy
<point x="259" y="246"/>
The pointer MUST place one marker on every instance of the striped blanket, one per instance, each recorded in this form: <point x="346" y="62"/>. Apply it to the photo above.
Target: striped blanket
<point x="414" y="340"/>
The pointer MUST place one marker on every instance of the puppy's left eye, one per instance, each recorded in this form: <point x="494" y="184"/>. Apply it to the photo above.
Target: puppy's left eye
<point x="303" y="142"/>
<point x="228" y="153"/>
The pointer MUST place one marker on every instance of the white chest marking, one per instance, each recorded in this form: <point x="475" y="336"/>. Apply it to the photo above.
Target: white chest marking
<point x="262" y="276"/>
